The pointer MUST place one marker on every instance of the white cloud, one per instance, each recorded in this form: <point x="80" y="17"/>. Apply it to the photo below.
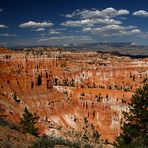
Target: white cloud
<point x="90" y="22"/>
<point x="69" y="15"/>
<point x="123" y="12"/>
<point x="93" y="17"/>
<point x="106" y="22"/>
<point x="52" y="31"/>
<point x="7" y="35"/>
<point x="141" y="13"/>
<point x="123" y="18"/>
<point x="106" y="13"/>
<point x="111" y="12"/>
<point x="130" y="27"/>
<point x="32" y="24"/>
<point x="113" y="27"/>
<point x="77" y="23"/>
<point x="1" y="10"/>
<point x="135" y="31"/>
<point x="3" y="26"/>
<point x="39" y="29"/>
<point x="112" y="30"/>
<point x="104" y="29"/>
<point x="130" y="32"/>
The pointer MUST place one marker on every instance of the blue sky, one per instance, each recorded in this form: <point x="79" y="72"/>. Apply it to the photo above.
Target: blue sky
<point x="62" y="22"/>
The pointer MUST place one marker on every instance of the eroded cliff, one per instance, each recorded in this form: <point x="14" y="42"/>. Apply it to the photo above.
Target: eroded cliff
<point x="64" y="88"/>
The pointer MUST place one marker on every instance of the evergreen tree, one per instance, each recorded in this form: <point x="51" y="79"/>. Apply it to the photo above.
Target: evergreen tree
<point x="135" y="127"/>
<point x="28" y="122"/>
<point x="39" y="80"/>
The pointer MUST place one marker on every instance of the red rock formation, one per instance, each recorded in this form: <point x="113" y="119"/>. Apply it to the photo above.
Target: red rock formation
<point x="64" y="87"/>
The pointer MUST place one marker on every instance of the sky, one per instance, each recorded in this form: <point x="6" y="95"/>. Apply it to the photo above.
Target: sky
<point x="64" y="22"/>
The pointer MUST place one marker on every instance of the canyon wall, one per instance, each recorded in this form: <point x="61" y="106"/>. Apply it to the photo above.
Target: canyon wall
<point x="64" y="88"/>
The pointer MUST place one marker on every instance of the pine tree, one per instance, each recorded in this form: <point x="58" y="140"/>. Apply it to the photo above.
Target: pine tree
<point x="135" y="127"/>
<point x="28" y="122"/>
<point x="39" y="80"/>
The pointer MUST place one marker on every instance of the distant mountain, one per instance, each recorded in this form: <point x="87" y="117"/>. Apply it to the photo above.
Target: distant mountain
<point x="124" y="48"/>
<point x="97" y="45"/>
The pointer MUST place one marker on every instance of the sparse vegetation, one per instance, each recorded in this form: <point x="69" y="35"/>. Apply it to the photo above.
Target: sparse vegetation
<point x="6" y="144"/>
<point x="39" y="80"/>
<point x="47" y="84"/>
<point x="14" y="96"/>
<point x="49" y="142"/>
<point x="84" y="99"/>
<point x="56" y="81"/>
<point x="99" y="97"/>
<point x="32" y="84"/>
<point x="135" y="127"/>
<point x="28" y="122"/>
<point x="145" y="80"/>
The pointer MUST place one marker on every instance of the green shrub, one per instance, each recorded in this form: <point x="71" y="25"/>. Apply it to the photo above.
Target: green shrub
<point x="49" y="142"/>
<point x="28" y="122"/>
<point x="88" y="146"/>
<point x="43" y="142"/>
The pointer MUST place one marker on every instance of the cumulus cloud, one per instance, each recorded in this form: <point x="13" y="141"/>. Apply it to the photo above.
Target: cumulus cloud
<point x="130" y="27"/>
<point x="7" y="35"/>
<point x="32" y="24"/>
<point x="77" y="23"/>
<point x="141" y="13"/>
<point x="122" y="12"/>
<point x="3" y="26"/>
<point x="104" y="22"/>
<point x="111" y="30"/>
<point x="39" y="29"/>
<point x="105" y="13"/>
<point x="93" y="17"/>
<point x="90" y="22"/>
<point x="52" y="31"/>
<point x="130" y="32"/>
<point x="111" y="12"/>
<point x="105" y="29"/>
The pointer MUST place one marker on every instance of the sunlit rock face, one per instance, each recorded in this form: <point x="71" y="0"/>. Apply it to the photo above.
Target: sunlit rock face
<point x="65" y="87"/>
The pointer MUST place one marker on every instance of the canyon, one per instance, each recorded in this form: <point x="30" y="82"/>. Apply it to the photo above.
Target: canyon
<point x="66" y="88"/>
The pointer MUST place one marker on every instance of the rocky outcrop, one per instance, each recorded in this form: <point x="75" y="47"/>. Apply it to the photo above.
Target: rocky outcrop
<point x="65" y="87"/>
